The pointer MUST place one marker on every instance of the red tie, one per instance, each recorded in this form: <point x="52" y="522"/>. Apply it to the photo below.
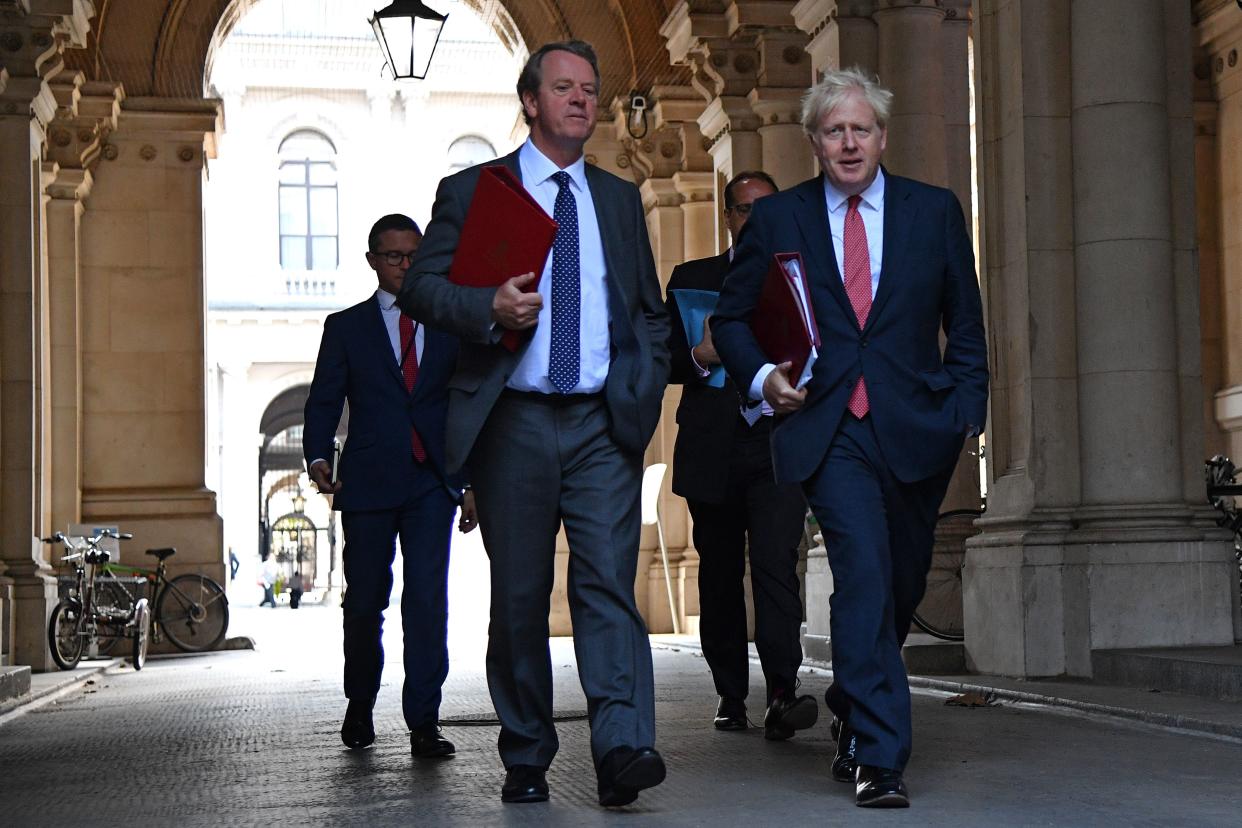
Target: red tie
<point x="409" y="371"/>
<point x="858" y="288"/>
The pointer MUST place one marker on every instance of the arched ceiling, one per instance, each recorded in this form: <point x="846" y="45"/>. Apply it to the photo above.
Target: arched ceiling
<point x="161" y="47"/>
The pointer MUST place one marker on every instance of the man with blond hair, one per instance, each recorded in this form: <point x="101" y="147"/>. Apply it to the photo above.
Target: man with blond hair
<point x="874" y="435"/>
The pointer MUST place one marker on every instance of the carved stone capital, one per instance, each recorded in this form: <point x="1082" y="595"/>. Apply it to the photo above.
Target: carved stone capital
<point x="33" y="36"/>
<point x="696" y="186"/>
<point x="776" y="105"/>
<point x="659" y="192"/>
<point x="68" y="183"/>
<point x="86" y="114"/>
<point x="725" y="115"/>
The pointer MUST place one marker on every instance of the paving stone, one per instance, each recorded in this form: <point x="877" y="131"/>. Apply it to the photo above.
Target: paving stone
<point x="251" y="738"/>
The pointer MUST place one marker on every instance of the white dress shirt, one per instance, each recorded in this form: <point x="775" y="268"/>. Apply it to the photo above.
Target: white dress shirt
<point x="392" y="321"/>
<point x="871" y="208"/>
<point x="531" y="373"/>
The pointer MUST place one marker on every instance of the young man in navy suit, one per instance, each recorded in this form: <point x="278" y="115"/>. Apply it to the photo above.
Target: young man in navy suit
<point x="390" y="483"/>
<point x="874" y="435"/>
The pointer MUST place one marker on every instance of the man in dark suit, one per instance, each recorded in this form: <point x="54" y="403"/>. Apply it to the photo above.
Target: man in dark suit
<point x="555" y="431"/>
<point x="722" y="465"/>
<point x="392" y="482"/>
<point x="874" y="435"/>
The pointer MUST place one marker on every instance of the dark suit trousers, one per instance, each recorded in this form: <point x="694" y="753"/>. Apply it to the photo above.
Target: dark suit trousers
<point x="424" y="524"/>
<point x="879" y="534"/>
<point x="539" y="462"/>
<point x="771" y="517"/>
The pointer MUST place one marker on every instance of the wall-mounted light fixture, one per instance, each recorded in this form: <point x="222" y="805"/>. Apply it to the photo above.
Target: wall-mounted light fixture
<point x="407" y="33"/>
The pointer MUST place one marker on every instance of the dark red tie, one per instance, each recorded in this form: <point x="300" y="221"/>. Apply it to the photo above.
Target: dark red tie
<point x="409" y="372"/>
<point x="858" y="288"/>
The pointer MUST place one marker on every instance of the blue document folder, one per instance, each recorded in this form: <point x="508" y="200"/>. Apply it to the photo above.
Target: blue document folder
<point x="695" y="306"/>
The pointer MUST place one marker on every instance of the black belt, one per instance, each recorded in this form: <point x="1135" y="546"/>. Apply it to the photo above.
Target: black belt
<point x="557" y="400"/>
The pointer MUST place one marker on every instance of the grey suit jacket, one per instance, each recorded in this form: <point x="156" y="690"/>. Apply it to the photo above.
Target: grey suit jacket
<point x="639" y="323"/>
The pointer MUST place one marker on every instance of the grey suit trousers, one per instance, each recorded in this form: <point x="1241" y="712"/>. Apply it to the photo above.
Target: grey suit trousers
<point x="541" y="460"/>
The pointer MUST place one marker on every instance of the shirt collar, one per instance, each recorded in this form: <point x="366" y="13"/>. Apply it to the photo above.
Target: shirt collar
<point x="386" y="299"/>
<point x="541" y="168"/>
<point x="872" y="197"/>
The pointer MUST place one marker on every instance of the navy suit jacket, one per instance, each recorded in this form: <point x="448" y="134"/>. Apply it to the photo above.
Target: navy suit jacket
<point x="707" y="417"/>
<point x="356" y="363"/>
<point x="922" y="398"/>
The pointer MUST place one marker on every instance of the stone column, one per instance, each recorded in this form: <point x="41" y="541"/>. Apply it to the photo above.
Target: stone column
<point x="87" y="113"/>
<point x="1089" y="542"/>
<point x="1220" y="239"/>
<point x="859" y="35"/>
<point x="143" y="333"/>
<point x="1218" y="123"/>
<point x="964" y="490"/>
<point x="912" y="66"/>
<point x="31" y="42"/>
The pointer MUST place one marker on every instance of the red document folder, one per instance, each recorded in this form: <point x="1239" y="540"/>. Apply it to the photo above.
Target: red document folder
<point x="783" y="322"/>
<point x="506" y="234"/>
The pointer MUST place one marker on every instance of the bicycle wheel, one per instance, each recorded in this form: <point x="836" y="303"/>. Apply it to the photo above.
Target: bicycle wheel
<point x="110" y="594"/>
<point x="140" y="632"/>
<point x="64" y="634"/>
<point x="194" y="612"/>
<point x="940" y="611"/>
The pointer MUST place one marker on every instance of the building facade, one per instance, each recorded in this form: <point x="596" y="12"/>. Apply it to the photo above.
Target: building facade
<point x="1108" y="185"/>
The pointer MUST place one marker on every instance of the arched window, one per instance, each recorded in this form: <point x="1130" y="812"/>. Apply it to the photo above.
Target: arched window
<point x="308" y="202"/>
<point x="468" y="151"/>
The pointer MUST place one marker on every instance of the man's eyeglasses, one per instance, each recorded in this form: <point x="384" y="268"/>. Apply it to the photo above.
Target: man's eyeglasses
<point x="742" y="210"/>
<point x="396" y="257"/>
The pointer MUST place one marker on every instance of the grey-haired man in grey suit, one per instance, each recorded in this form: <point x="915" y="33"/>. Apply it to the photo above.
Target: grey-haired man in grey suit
<point x="555" y="431"/>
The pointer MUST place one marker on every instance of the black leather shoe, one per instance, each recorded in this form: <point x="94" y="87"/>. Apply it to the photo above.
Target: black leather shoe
<point x="880" y="788"/>
<point x="730" y="714"/>
<point x="624" y="772"/>
<point x="427" y="743"/>
<point x="788" y="713"/>
<point x="525" y="783"/>
<point x="845" y="762"/>
<point x="357" y="731"/>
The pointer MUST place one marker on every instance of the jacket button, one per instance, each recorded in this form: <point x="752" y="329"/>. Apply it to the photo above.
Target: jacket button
<point x="864" y="343"/>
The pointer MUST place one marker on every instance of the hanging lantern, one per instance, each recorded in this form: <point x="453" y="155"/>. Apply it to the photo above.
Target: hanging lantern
<point x="407" y="32"/>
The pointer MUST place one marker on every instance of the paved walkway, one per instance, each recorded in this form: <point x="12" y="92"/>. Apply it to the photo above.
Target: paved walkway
<point x="250" y="738"/>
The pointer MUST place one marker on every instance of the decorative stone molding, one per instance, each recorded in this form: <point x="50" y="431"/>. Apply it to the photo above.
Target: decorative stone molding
<point x="86" y="114"/>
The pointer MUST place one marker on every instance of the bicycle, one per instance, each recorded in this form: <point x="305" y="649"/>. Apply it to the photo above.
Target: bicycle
<point x="191" y="609"/>
<point x="1221" y="478"/>
<point x="940" y="612"/>
<point x="80" y="616"/>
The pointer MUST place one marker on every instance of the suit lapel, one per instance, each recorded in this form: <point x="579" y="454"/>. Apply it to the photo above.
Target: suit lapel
<point x="609" y="224"/>
<point x="379" y="339"/>
<point x="816" y="232"/>
<point x="899" y="213"/>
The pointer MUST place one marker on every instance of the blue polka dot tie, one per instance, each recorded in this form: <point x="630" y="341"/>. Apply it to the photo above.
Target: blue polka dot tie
<point x="563" y="361"/>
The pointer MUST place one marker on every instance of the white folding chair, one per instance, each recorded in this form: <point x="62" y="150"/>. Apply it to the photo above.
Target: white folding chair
<point x="653" y="480"/>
